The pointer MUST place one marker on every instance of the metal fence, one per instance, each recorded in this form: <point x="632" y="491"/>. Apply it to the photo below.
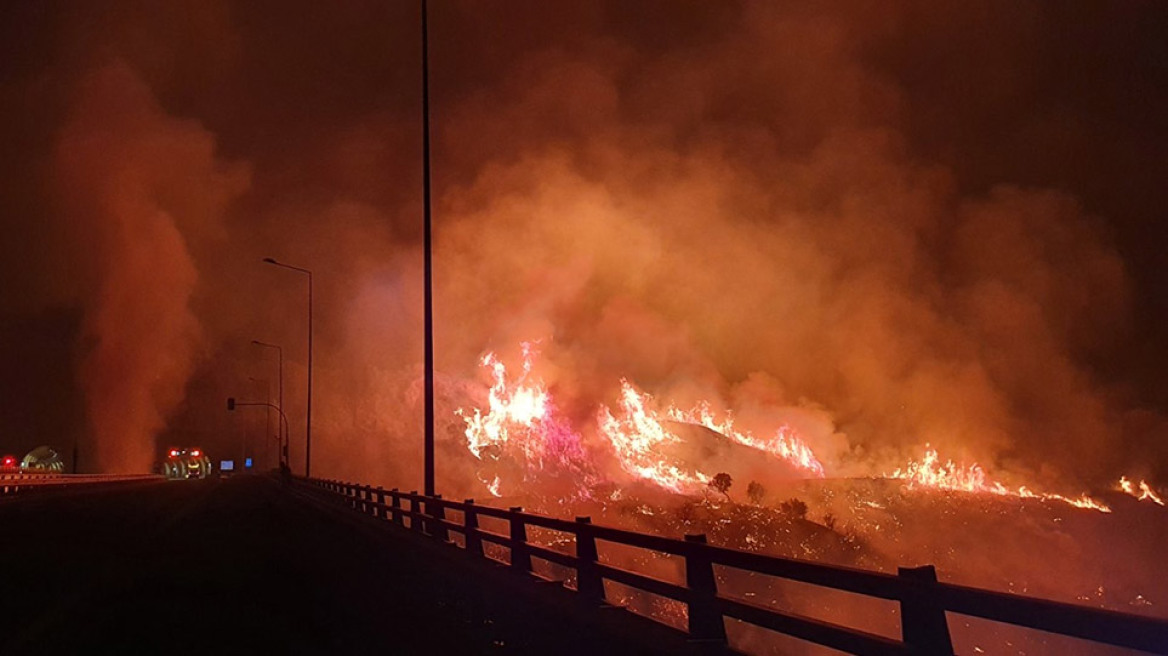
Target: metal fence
<point x="13" y="483"/>
<point x="923" y="600"/>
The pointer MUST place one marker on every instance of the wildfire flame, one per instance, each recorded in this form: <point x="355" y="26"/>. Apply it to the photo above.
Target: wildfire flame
<point x="637" y="436"/>
<point x="520" y="424"/>
<point x="785" y="444"/>
<point x="520" y="421"/>
<point x="1144" y="492"/>
<point x="930" y="472"/>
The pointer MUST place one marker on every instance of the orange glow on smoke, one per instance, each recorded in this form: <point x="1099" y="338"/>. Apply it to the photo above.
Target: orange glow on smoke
<point x="930" y="472"/>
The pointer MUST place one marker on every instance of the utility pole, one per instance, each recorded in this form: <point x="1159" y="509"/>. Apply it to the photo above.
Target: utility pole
<point x="428" y="270"/>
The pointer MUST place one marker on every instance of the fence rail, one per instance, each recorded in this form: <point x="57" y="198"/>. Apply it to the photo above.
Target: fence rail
<point x="923" y="600"/>
<point x="14" y="483"/>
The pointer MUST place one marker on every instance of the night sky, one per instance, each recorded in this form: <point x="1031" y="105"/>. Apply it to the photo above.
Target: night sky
<point x="926" y="222"/>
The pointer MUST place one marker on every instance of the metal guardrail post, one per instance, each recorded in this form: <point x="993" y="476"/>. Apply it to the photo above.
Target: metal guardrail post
<point x="438" y="512"/>
<point x="396" y="512"/>
<point x="520" y="558"/>
<point x="470" y="519"/>
<point x="415" y="522"/>
<point x="705" y="620"/>
<point x="922" y="624"/>
<point x="588" y="581"/>
<point x="379" y="509"/>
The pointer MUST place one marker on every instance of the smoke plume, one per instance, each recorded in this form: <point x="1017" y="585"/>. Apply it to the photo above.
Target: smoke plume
<point x="137" y="188"/>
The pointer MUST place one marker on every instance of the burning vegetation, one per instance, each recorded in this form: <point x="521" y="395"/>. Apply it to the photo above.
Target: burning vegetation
<point x="678" y="450"/>
<point x="645" y="463"/>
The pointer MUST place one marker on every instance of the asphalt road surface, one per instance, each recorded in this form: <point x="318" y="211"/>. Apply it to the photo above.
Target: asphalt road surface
<point x="245" y="566"/>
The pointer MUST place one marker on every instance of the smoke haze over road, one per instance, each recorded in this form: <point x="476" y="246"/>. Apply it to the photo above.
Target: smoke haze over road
<point x="883" y="223"/>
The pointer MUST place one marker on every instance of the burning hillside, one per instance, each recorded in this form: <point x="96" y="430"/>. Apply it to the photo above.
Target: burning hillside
<point x="646" y="463"/>
<point x="520" y="427"/>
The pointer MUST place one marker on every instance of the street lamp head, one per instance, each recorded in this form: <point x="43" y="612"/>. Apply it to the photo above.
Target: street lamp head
<point x="257" y="342"/>
<point x="270" y="260"/>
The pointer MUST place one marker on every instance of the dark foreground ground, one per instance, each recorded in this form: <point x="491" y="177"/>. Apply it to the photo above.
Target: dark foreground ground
<point x="243" y="566"/>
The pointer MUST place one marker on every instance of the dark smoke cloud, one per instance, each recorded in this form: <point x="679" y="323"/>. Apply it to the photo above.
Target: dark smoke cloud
<point x="844" y="216"/>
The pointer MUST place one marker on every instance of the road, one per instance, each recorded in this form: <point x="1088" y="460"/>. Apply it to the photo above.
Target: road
<point x="244" y="566"/>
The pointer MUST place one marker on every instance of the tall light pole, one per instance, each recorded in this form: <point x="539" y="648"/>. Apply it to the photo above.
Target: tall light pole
<point x="267" y="426"/>
<point x="427" y="266"/>
<point x="283" y="417"/>
<point x="308" y="420"/>
<point x="280" y="354"/>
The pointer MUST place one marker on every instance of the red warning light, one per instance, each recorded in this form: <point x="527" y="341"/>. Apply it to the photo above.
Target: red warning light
<point x="9" y="461"/>
<point x="174" y="453"/>
<point x="196" y="453"/>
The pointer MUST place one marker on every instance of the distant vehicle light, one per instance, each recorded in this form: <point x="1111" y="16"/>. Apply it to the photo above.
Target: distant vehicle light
<point x="174" y="453"/>
<point x="9" y="461"/>
<point x="196" y="453"/>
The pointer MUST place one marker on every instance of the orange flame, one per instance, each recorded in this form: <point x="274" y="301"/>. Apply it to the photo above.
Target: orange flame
<point x="930" y="472"/>
<point x="520" y="422"/>
<point x="513" y="409"/>
<point x="636" y="438"/>
<point x="1145" y="491"/>
<point x="785" y="445"/>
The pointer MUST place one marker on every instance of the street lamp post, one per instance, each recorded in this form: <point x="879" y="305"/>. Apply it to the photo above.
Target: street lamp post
<point x="308" y="419"/>
<point x="427" y="266"/>
<point x="268" y="421"/>
<point x="231" y="405"/>
<point x="280" y="354"/>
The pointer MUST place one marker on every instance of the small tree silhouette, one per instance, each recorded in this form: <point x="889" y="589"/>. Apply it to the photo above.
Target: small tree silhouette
<point x="722" y="482"/>
<point x="755" y="492"/>
<point x="794" y="508"/>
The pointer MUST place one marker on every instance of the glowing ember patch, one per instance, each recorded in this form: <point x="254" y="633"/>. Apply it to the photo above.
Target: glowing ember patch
<point x="930" y="472"/>
<point x="785" y="445"/>
<point x="1143" y="492"/>
<point x="637" y="437"/>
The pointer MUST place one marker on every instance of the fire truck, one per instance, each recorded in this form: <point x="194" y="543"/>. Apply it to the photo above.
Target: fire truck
<point x="182" y="464"/>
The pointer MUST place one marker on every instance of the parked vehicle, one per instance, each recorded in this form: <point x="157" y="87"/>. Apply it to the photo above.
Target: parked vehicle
<point x="181" y="464"/>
